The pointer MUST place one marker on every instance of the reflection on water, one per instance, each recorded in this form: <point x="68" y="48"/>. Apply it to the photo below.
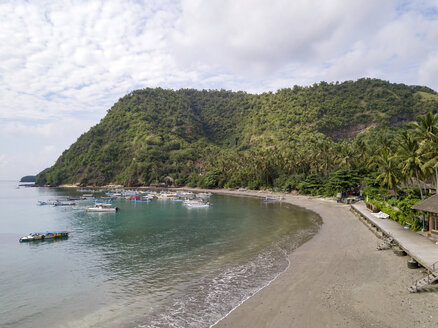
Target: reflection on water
<point x="151" y="264"/>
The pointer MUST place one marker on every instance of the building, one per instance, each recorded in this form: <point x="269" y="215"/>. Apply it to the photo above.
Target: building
<point x="430" y="208"/>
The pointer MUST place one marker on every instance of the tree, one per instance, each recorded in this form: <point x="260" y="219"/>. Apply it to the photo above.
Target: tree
<point x="388" y="171"/>
<point x="410" y="159"/>
<point x="426" y="130"/>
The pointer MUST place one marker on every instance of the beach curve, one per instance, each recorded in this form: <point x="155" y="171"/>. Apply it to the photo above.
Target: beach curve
<point x="336" y="279"/>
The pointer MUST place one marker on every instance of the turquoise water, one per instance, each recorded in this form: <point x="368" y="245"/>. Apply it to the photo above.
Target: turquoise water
<point x="154" y="264"/>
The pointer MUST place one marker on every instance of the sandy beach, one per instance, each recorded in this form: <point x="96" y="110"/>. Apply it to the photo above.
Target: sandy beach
<point x="337" y="279"/>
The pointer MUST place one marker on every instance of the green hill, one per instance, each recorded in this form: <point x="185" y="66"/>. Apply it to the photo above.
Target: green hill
<point x="224" y="138"/>
<point x="28" y="178"/>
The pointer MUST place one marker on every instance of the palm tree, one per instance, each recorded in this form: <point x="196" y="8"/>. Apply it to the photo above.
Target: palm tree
<point x="361" y="148"/>
<point x="384" y="142"/>
<point x="411" y="162"/>
<point x="388" y="170"/>
<point x="427" y="126"/>
<point x="345" y="154"/>
<point x="430" y="152"/>
<point x="323" y="156"/>
<point x="426" y="129"/>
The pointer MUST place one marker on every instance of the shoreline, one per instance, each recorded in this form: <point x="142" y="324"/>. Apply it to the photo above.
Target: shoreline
<point x="335" y="279"/>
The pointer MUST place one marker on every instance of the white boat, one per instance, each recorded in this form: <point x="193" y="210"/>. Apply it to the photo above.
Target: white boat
<point x="187" y="194"/>
<point x="99" y="208"/>
<point x="167" y="195"/>
<point x="203" y="194"/>
<point x="49" y="202"/>
<point x="102" y="203"/>
<point x="196" y="204"/>
<point x="199" y="205"/>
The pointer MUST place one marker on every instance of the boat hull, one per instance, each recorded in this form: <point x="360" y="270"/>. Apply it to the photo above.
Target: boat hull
<point x="44" y="236"/>
<point x="103" y="209"/>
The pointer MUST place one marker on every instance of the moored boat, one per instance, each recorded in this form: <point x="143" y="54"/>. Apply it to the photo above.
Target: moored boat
<point x="196" y="204"/>
<point x="49" y="202"/>
<point x="102" y="203"/>
<point x="87" y="195"/>
<point x="99" y="208"/>
<point x="44" y="235"/>
<point x="203" y="194"/>
<point x="64" y="203"/>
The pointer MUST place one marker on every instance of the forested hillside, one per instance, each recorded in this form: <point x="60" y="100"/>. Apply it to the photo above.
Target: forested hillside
<point x="293" y="138"/>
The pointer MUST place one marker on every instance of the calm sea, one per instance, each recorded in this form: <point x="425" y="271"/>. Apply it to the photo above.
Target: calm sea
<point x="154" y="264"/>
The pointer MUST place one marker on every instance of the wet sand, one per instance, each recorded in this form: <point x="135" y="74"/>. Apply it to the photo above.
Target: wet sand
<point x="338" y="279"/>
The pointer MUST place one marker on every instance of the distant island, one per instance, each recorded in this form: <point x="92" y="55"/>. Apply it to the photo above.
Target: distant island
<point x="28" y="178"/>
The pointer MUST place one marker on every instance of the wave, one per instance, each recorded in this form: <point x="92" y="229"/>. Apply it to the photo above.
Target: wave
<point x="206" y="301"/>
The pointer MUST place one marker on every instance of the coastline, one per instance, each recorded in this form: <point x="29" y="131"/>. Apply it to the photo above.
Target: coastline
<point x="336" y="279"/>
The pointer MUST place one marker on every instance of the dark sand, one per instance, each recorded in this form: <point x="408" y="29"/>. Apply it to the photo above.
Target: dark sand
<point x="338" y="279"/>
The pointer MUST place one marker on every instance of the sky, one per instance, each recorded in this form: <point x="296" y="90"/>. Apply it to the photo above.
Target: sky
<point x="63" y="64"/>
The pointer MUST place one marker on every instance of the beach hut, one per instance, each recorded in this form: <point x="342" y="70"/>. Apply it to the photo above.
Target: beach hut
<point x="430" y="208"/>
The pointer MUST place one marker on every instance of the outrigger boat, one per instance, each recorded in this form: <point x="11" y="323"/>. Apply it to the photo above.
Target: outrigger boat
<point x="270" y="199"/>
<point x="196" y="204"/>
<point x="49" y="202"/>
<point x="44" y="235"/>
<point x="99" y="208"/>
<point x="62" y="203"/>
<point x="102" y="203"/>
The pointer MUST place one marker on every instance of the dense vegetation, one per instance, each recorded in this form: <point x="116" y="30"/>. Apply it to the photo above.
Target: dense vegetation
<point x="28" y="178"/>
<point x="319" y="140"/>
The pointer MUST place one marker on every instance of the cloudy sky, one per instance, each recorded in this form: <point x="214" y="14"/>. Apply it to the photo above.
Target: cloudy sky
<point x="64" y="63"/>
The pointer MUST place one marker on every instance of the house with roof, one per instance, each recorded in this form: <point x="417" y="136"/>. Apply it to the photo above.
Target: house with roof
<point x="430" y="208"/>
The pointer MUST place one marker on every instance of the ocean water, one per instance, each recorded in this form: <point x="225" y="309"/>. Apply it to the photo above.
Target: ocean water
<point x="154" y="264"/>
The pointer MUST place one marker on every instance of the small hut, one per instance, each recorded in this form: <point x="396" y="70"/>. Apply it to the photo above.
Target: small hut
<point x="430" y="208"/>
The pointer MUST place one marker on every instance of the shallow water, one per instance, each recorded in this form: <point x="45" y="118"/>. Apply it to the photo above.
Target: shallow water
<point x="154" y="264"/>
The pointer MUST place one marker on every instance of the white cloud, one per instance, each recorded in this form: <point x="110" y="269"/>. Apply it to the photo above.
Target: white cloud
<point x="65" y="56"/>
<point x="281" y="43"/>
<point x="262" y="36"/>
<point x="64" y="63"/>
<point x="3" y="161"/>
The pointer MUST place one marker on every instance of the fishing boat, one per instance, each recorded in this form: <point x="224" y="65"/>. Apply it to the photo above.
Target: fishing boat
<point x="167" y="195"/>
<point x="102" y="203"/>
<point x="196" y="204"/>
<point x="203" y="194"/>
<point x="99" y="208"/>
<point x="113" y="194"/>
<point x="140" y="200"/>
<point x="49" y="202"/>
<point x="88" y="195"/>
<point x="187" y="194"/>
<point x="63" y="203"/>
<point x="45" y="235"/>
<point x="271" y="199"/>
<point x="134" y="197"/>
